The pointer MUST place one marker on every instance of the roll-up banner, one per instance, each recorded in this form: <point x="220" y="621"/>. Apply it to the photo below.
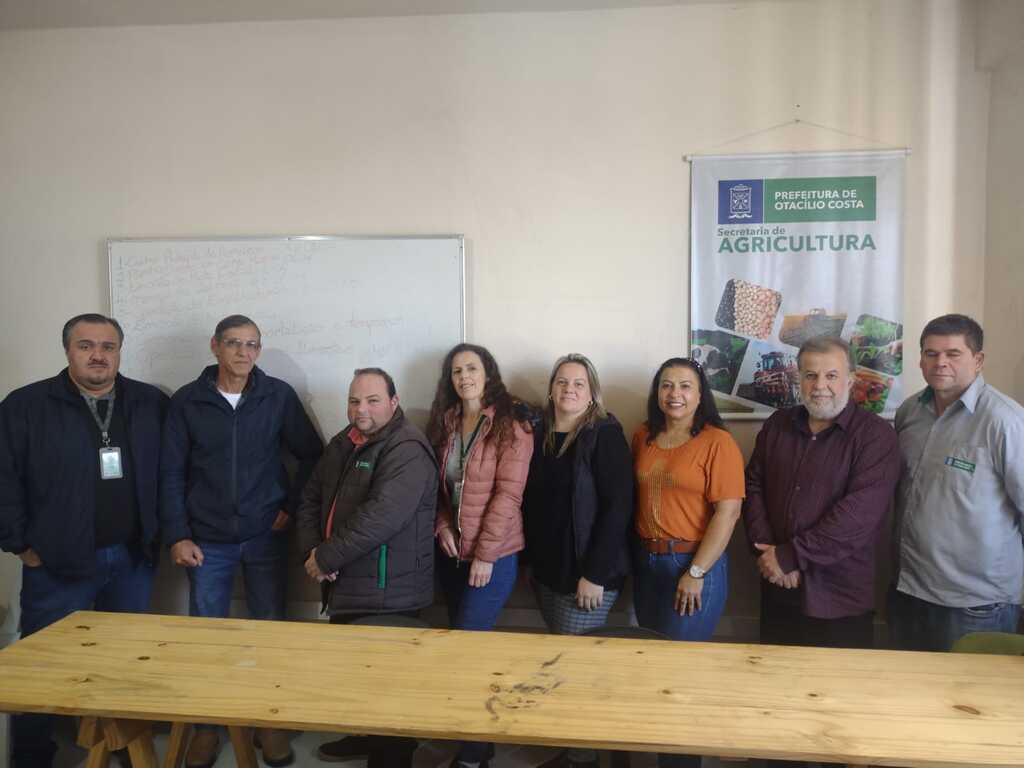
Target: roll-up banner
<point x="786" y="247"/>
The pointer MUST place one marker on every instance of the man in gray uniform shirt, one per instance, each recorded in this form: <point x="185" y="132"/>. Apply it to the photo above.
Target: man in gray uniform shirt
<point x="960" y="501"/>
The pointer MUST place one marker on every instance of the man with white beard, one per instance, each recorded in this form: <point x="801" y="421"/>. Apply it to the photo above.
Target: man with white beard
<point x="819" y="486"/>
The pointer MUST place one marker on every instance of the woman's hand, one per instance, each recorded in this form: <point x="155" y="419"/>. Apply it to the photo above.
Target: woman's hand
<point x="589" y="595"/>
<point x="480" y="573"/>
<point x="446" y="539"/>
<point x="688" y="595"/>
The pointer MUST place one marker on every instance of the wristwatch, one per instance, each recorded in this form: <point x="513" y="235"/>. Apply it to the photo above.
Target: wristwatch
<point x="696" y="571"/>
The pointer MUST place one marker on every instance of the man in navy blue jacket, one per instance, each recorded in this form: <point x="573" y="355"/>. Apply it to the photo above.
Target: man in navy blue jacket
<point x="79" y="457"/>
<point x="226" y="499"/>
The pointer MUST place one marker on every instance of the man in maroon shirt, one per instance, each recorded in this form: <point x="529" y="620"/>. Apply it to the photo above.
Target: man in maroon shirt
<point x="819" y="486"/>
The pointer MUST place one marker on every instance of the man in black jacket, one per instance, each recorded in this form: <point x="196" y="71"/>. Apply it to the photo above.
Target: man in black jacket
<point x="225" y="494"/>
<point x="79" y="456"/>
<point x="366" y="523"/>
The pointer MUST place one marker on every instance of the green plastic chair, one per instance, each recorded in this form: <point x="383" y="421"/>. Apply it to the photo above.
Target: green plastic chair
<point x="1000" y="643"/>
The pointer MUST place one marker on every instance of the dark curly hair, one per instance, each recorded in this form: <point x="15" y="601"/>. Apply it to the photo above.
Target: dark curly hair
<point x="707" y="411"/>
<point x="507" y="409"/>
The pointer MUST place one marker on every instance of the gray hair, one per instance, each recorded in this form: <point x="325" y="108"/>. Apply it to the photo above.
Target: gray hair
<point x="595" y="412"/>
<point x="825" y="344"/>
<point x="234" y="321"/>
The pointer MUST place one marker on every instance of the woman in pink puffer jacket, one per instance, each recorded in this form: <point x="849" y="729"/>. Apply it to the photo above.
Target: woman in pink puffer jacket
<point x="483" y="447"/>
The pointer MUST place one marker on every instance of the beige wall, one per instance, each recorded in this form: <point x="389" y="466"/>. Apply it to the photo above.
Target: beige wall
<point x="553" y="141"/>
<point x="1004" y="267"/>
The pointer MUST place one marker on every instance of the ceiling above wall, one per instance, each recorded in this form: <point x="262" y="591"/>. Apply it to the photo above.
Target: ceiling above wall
<point x="51" y="14"/>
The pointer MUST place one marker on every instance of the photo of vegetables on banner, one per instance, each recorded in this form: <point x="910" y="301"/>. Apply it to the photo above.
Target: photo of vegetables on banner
<point x="787" y="247"/>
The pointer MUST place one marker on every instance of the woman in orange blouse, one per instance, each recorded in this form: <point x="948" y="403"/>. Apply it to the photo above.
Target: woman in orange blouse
<point x="689" y="482"/>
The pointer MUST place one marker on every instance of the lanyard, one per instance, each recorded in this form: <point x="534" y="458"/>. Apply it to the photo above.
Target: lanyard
<point x="103" y="425"/>
<point x="465" y="449"/>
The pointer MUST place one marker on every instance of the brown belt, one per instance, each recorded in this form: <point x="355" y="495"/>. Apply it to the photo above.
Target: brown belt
<point x="669" y="546"/>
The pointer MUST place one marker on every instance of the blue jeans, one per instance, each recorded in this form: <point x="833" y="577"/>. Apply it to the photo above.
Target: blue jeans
<point x="476" y="608"/>
<point x="918" y="625"/>
<point x="122" y="582"/>
<point x="654" y="595"/>
<point x="262" y="560"/>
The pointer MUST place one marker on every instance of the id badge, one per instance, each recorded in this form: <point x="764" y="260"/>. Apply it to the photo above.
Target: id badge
<point x="457" y="495"/>
<point x="110" y="464"/>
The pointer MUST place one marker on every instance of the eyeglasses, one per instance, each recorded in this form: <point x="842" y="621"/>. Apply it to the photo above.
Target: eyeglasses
<point x="236" y="344"/>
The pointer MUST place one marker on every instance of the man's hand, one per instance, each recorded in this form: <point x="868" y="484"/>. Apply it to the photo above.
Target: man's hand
<point x="589" y="595"/>
<point x="30" y="558"/>
<point x="282" y="521"/>
<point x="446" y="539"/>
<point x="480" y="573"/>
<point x="187" y="553"/>
<point x="314" y="572"/>
<point x="768" y="565"/>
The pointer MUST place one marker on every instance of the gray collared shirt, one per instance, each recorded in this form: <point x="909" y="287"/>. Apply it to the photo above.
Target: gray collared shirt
<point x="960" y="502"/>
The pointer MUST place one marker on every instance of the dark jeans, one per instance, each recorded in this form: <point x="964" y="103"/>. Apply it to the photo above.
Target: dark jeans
<point x="476" y="608"/>
<point x="917" y="625"/>
<point x="262" y="560"/>
<point x="654" y="594"/>
<point x="392" y="751"/>
<point x="783" y="624"/>
<point x="122" y="582"/>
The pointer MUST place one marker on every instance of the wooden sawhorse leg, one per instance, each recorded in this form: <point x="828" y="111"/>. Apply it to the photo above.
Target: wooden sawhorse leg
<point x="241" y="741"/>
<point x="177" y="742"/>
<point x="101" y="736"/>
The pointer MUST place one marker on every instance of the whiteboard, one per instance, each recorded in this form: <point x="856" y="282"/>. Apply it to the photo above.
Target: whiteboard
<point x="325" y="306"/>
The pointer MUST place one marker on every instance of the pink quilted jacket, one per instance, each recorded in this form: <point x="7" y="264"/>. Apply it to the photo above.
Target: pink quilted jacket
<point x="489" y="523"/>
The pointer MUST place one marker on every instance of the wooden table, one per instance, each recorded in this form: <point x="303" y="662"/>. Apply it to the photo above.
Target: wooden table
<point x="122" y="671"/>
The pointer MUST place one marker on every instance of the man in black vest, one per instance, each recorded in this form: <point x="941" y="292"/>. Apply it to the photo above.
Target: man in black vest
<point x="367" y="523"/>
<point x="79" y="455"/>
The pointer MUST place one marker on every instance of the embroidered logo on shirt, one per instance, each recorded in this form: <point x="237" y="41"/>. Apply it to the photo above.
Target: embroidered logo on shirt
<point x="966" y="466"/>
<point x="364" y="465"/>
<point x="657" y="478"/>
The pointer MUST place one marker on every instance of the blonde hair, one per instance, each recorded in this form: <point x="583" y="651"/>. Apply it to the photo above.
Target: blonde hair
<point x="595" y="411"/>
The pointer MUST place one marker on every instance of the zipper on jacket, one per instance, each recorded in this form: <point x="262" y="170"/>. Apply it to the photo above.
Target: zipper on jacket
<point x="234" y="448"/>
<point x="234" y="457"/>
<point x="458" y="516"/>
<point x="462" y="459"/>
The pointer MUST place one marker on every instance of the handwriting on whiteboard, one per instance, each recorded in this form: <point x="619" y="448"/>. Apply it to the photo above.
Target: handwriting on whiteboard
<point x="324" y="307"/>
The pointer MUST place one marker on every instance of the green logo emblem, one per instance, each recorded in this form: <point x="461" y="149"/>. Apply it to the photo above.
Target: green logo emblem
<point x="966" y="466"/>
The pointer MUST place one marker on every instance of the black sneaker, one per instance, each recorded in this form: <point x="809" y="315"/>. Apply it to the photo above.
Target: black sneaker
<point x="392" y="752"/>
<point x="456" y="764"/>
<point x="345" y="749"/>
<point x="561" y="760"/>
